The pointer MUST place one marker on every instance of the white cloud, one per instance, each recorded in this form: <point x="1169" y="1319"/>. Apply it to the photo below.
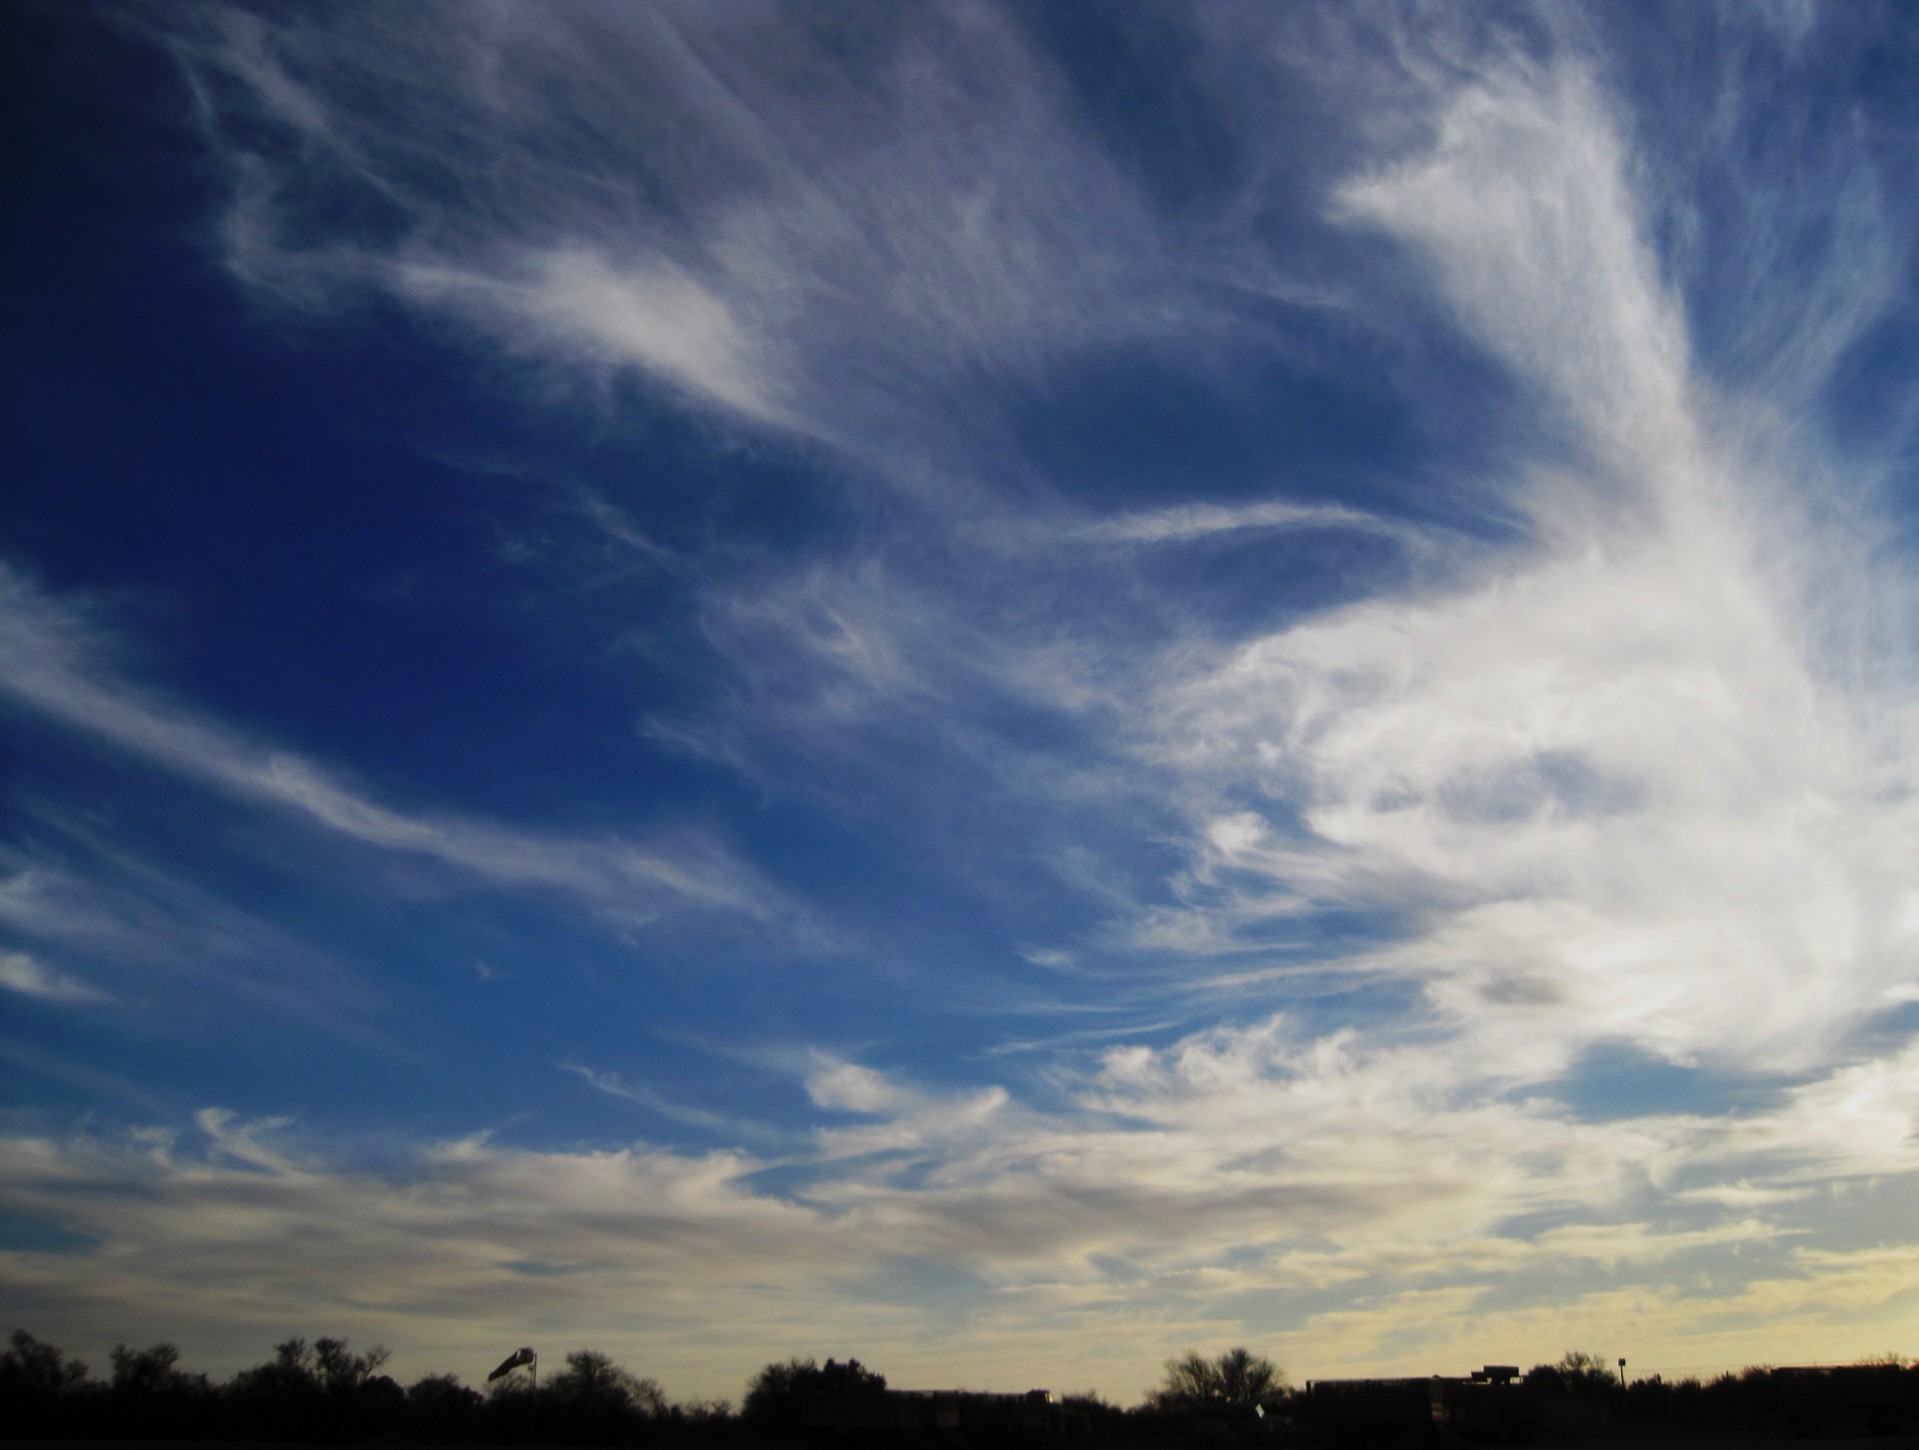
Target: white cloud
<point x="1197" y="521"/>
<point x="1522" y="208"/>
<point x="1618" y="765"/>
<point x="1186" y="1186"/>
<point x="26" y="975"/>
<point x="817" y="251"/>
<point x="654" y="315"/>
<point x="155" y="937"/>
<point x="730" y="1127"/>
<point x="230" y="1235"/>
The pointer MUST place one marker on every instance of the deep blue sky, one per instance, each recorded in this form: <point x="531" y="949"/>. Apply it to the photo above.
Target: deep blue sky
<point x="1003" y="689"/>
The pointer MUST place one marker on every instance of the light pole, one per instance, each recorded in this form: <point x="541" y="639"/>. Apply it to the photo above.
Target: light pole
<point x="524" y="1356"/>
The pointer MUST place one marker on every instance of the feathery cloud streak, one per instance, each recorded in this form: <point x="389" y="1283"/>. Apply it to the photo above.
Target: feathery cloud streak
<point x="57" y="669"/>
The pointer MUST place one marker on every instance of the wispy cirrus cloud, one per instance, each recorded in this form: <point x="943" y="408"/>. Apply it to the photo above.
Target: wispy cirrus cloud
<point x="1621" y="777"/>
<point x="731" y="1127"/>
<point x="811" y="251"/>
<point x="158" y="938"/>
<point x="1187" y="522"/>
<point x="1617" y="763"/>
<point x="654" y="316"/>
<point x="835" y="242"/>
<point x="59" y="669"/>
<point x="1523" y="210"/>
<point x="29" y="976"/>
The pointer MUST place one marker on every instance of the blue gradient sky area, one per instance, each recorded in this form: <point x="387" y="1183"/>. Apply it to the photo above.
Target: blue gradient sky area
<point x="998" y="688"/>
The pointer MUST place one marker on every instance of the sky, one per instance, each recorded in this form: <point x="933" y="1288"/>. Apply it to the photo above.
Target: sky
<point x="1000" y="688"/>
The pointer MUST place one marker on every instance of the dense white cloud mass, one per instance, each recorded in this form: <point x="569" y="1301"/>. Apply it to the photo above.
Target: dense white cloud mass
<point x="1616" y="777"/>
<point x="1505" y="939"/>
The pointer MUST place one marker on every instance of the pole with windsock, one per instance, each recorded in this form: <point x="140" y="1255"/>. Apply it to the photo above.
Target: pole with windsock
<point x="523" y="1356"/>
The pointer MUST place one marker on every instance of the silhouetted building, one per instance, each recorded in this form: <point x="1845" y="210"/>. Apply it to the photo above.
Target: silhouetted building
<point x="1489" y="1406"/>
<point x="1817" y="1399"/>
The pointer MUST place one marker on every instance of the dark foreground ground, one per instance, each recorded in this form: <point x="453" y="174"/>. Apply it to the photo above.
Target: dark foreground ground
<point x="1616" y="1439"/>
<point x="1729" y="1440"/>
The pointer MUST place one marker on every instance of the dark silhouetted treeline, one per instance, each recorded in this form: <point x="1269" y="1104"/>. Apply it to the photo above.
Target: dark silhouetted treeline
<point x="325" y="1392"/>
<point x="1875" y="1395"/>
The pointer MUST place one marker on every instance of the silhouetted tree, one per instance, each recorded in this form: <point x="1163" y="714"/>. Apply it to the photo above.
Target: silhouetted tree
<point x="1087" y="1418"/>
<point x="439" y="1407"/>
<point x="280" y="1399"/>
<point x="152" y="1398"/>
<point x="290" y="1371"/>
<point x="702" y="1412"/>
<point x="772" y="1400"/>
<point x="145" y="1371"/>
<point x="850" y="1378"/>
<point x="776" y="1397"/>
<point x="1579" y="1371"/>
<point x="591" y="1401"/>
<point x="341" y="1371"/>
<point x="42" y="1391"/>
<point x="591" y="1378"/>
<point x="1236" y="1380"/>
<point x="32" y="1369"/>
<point x="322" y="1391"/>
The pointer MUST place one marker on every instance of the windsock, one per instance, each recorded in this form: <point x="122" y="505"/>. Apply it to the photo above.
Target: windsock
<point x="512" y="1362"/>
